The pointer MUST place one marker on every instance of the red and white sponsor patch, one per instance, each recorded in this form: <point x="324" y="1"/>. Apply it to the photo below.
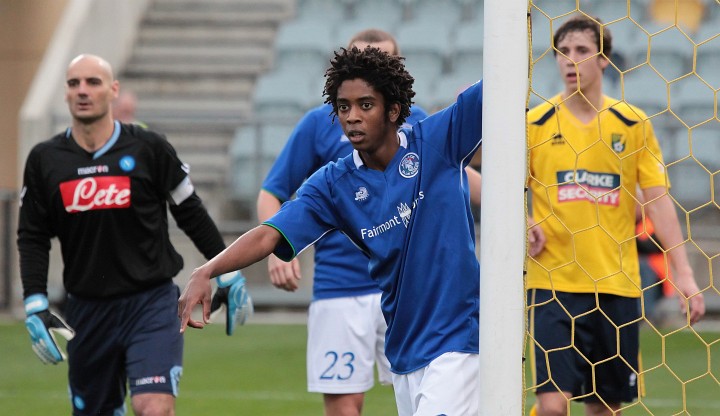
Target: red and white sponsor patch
<point x="102" y="192"/>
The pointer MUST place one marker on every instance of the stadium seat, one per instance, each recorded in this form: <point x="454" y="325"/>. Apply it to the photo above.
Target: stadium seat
<point x="628" y="38"/>
<point x="252" y="152"/>
<point x="541" y="34"/>
<point x="708" y="60"/>
<point x="705" y="142"/>
<point x="613" y="10"/>
<point x="425" y="48"/>
<point x="451" y="84"/>
<point x="674" y="144"/>
<point x="283" y="94"/>
<point x="469" y="38"/>
<point x="692" y="100"/>
<point x="308" y="43"/>
<point x="321" y="11"/>
<point x="466" y="62"/>
<point x="424" y="88"/>
<point x="645" y="89"/>
<point x="472" y="10"/>
<point x="687" y="13"/>
<point x="670" y="51"/>
<point x="546" y="81"/>
<point x="690" y="184"/>
<point x="377" y="13"/>
<point x="346" y="29"/>
<point x="242" y="171"/>
<point x="432" y="12"/>
<point x="555" y="8"/>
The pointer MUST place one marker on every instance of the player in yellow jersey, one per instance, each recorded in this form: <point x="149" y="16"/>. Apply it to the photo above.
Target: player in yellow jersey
<point x="588" y="155"/>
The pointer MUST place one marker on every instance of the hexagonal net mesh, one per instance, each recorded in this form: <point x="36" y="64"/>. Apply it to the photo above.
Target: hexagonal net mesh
<point x="621" y="134"/>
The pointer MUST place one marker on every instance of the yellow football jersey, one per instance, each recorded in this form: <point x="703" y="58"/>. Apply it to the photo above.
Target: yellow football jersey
<point x="583" y="179"/>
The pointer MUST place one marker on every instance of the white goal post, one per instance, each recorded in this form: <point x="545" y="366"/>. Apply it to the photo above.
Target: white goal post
<point x="503" y="221"/>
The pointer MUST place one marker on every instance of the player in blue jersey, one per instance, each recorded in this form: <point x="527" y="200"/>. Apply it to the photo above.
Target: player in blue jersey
<point x="346" y="329"/>
<point x="402" y="198"/>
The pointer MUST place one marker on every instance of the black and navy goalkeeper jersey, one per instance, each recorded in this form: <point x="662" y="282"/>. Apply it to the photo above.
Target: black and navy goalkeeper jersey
<point x="109" y="211"/>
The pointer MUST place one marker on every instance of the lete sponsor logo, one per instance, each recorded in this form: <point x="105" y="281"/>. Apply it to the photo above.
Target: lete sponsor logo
<point x="104" y="192"/>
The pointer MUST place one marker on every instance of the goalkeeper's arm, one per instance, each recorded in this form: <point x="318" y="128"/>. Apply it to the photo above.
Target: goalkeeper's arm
<point x="42" y="324"/>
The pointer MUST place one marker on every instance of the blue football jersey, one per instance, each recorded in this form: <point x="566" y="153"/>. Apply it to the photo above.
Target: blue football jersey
<point x="414" y="222"/>
<point x="340" y="268"/>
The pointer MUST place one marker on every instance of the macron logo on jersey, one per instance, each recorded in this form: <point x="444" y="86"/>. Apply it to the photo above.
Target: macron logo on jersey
<point x="92" y="170"/>
<point x="583" y="185"/>
<point x="103" y="192"/>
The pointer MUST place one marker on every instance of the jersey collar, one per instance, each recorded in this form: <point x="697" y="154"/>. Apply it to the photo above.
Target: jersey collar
<point x="402" y="139"/>
<point x="106" y="146"/>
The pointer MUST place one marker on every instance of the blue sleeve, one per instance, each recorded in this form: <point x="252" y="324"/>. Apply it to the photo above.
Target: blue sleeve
<point x="417" y="113"/>
<point x="456" y="131"/>
<point x="297" y="161"/>
<point x="306" y="218"/>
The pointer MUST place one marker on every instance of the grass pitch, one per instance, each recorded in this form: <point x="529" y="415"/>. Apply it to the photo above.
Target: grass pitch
<point x="261" y="371"/>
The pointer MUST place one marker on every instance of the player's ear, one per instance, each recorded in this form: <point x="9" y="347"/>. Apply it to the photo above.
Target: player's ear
<point x="603" y="61"/>
<point x="394" y="112"/>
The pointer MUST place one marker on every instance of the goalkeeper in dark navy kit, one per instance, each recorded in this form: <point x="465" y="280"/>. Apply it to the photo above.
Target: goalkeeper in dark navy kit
<point x="103" y="188"/>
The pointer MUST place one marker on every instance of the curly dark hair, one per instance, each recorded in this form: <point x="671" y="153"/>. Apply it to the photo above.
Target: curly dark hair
<point x="384" y="72"/>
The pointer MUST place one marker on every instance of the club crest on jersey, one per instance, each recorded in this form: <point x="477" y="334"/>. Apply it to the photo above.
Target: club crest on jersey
<point x="409" y="165"/>
<point x="361" y="194"/>
<point x="618" y="142"/>
<point x="127" y="163"/>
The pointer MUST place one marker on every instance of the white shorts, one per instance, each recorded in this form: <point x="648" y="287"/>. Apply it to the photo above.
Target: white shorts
<point x="448" y="386"/>
<point x="346" y="339"/>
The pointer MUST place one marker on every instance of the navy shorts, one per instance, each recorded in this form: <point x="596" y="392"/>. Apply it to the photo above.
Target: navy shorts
<point x="594" y="335"/>
<point x="133" y="340"/>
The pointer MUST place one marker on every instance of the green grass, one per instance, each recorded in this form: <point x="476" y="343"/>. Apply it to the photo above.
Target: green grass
<point x="258" y="371"/>
<point x="681" y="372"/>
<point x="261" y="371"/>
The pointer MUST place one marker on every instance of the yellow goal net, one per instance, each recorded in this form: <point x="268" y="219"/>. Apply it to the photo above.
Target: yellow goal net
<point x="663" y="75"/>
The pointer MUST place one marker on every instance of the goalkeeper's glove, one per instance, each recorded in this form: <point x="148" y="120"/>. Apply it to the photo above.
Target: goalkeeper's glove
<point x="231" y="293"/>
<point x="42" y="324"/>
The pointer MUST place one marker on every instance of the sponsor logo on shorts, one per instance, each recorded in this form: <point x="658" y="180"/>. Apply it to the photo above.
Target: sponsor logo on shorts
<point x="150" y="380"/>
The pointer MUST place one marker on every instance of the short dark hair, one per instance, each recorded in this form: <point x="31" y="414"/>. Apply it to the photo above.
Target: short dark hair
<point x="375" y="36"/>
<point x="383" y="72"/>
<point x="581" y="23"/>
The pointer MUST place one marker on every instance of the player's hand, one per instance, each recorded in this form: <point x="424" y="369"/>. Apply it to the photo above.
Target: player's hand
<point x="197" y="291"/>
<point x="690" y="296"/>
<point x="43" y="324"/>
<point x="536" y="238"/>
<point x="232" y="294"/>
<point x="284" y="275"/>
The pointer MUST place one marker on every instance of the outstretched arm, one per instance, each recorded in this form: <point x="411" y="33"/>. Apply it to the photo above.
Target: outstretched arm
<point x="248" y="249"/>
<point x="662" y="213"/>
<point x="283" y="275"/>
